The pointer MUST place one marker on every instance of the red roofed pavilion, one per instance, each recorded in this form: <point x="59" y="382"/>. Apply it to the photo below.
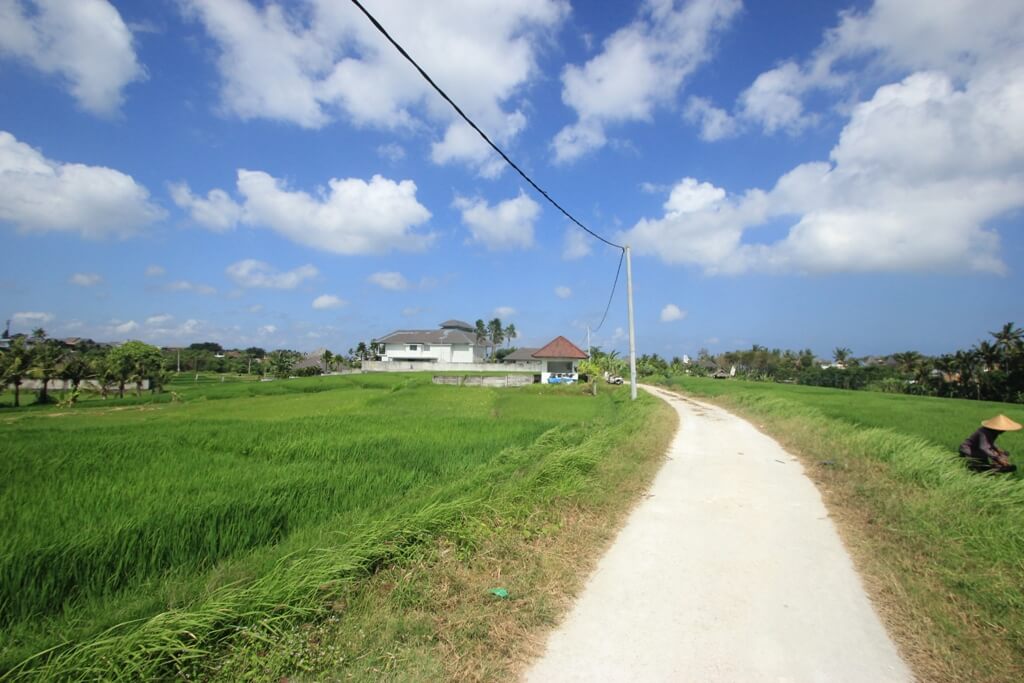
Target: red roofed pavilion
<point x="559" y="357"/>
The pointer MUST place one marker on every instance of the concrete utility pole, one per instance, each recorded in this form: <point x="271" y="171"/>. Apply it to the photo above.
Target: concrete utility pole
<point x="632" y="328"/>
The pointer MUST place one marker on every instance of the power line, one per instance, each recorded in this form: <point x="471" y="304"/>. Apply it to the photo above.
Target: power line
<point x="468" y="120"/>
<point x="612" y="295"/>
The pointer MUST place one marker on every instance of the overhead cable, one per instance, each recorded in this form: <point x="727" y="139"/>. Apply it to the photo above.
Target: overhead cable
<point x="468" y="120"/>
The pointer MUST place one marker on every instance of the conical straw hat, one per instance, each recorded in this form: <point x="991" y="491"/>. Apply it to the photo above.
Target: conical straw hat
<point x="1001" y="423"/>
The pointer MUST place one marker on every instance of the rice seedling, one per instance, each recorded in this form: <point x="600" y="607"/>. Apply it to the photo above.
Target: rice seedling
<point x="137" y="540"/>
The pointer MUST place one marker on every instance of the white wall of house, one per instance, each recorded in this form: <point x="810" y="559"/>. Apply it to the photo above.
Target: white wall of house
<point x="560" y="366"/>
<point x="440" y="353"/>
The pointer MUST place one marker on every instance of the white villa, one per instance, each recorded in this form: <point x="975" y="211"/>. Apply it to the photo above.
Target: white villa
<point x="558" y="360"/>
<point x="455" y="342"/>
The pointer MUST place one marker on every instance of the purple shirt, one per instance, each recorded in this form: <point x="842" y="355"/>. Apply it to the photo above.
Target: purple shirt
<point x="981" y="444"/>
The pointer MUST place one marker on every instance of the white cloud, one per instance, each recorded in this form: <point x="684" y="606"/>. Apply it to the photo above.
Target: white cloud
<point x="715" y="123"/>
<point x="125" y="327"/>
<point x="327" y="301"/>
<point x="389" y="280"/>
<point x="187" y="286"/>
<point x="268" y="329"/>
<point x="916" y="175"/>
<point x="311" y="62"/>
<point x="84" y="42"/>
<point x="161" y="319"/>
<point x="86" y="279"/>
<point x="253" y="273"/>
<point x="671" y="313"/>
<point x="576" y="246"/>
<point x="155" y="271"/>
<point x="642" y="66"/>
<point x="218" y="211"/>
<point x="392" y="151"/>
<point x="563" y="292"/>
<point x="41" y="195"/>
<point x="354" y="217"/>
<point x="508" y="225"/>
<point x="504" y="312"/>
<point x="31" y="318"/>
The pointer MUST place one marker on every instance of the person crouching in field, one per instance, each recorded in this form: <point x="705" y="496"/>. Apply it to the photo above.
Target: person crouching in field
<point x="980" y="448"/>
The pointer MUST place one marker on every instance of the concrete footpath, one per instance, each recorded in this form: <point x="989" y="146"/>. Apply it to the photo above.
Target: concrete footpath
<point x="728" y="570"/>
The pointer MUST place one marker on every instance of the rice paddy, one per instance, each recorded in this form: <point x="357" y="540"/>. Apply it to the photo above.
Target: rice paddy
<point x="127" y="524"/>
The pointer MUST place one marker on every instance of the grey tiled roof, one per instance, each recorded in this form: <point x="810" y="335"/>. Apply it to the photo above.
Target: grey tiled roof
<point x="521" y="355"/>
<point x="446" y="336"/>
<point x="457" y="324"/>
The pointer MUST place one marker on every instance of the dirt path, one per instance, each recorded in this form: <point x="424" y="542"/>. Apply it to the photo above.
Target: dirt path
<point x="729" y="570"/>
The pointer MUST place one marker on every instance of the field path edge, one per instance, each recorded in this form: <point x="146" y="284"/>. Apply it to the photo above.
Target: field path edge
<point x="729" y="570"/>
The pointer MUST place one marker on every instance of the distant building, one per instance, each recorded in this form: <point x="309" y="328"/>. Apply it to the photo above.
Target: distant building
<point x="454" y="342"/>
<point x="559" y="359"/>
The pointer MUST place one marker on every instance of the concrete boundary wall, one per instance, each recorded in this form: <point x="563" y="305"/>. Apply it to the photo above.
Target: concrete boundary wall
<point x="479" y="381"/>
<point x="406" y="366"/>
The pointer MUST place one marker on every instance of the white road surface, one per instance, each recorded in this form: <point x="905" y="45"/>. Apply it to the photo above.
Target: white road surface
<point x="729" y="570"/>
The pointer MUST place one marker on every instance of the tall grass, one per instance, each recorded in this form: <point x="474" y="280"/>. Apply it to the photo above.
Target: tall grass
<point x="951" y="541"/>
<point x="138" y="539"/>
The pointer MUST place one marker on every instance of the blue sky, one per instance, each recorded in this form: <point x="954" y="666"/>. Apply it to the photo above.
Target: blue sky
<point x="264" y="173"/>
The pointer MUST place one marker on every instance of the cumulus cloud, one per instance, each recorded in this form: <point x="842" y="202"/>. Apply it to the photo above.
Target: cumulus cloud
<point x="563" y="292"/>
<point x="253" y="273"/>
<point x="671" y="313"/>
<point x="41" y="195"/>
<point x="312" y="62"/>
<point x="506" y="225"/>
<point x="391" y="280"/>
<point x="715" y="123"/>
<point x="85" y="43"/>
<point x="352" y="216"/>
<point x="31" y="318"/>
<point x="188" y="286"/>
<point x="576" y="245"/>
<point x="161" y="319"/>
<point x="267" y="329"/>
<point x="86" y="279"/>
<point x="328" y="301"/>
<point x="124" y="327"/>
<point x="217" y="211"/>
<point x="641" y="67"/>
<point x="504" y="312"/>
<point x="916" y="175"/>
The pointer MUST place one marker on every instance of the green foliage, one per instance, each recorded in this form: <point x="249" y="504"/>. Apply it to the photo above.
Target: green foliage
<point x="280" y="363"/>
<point x="234" y="508"/>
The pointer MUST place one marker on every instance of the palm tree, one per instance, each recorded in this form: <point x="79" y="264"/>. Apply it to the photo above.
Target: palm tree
<point x="510" y="333"/>
<point x="75" y="370"/>
<point x="361" y="351"/>
<point x="907" y="361"/>
<point x="841" y="353"/>
<point x="46" y="358"/>
<point x="15" y="363"/>
<point x="281" y="363"/>
<point x="328" y="359"/>
<point x="496" y="333"/>
<point x="481" y="332"/>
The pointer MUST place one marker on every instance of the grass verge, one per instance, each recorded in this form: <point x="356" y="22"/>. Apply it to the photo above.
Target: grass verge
<point x="941" y="551"/>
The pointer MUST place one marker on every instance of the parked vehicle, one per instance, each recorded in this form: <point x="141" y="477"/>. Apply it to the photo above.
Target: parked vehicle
<point x="614" y="379"/>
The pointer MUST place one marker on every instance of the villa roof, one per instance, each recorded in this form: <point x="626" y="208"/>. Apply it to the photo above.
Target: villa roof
<point x="520" y="355"/>
<point x="442" y="336"/>
<point x="457" y="325"/>
<point x="560" y="347"/>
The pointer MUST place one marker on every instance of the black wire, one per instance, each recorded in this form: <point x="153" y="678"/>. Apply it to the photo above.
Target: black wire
<point x="612" y="295"/>
<point x="497" y="149"/>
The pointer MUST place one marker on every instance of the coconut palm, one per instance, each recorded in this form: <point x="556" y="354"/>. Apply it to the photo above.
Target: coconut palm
<point x="46" y="357"/>
<point x="15" y="364"/>
<point x="281" y="363"/>
<point x="495" y="332"/>
<point x="328" y="359"/>
<point x="841" y="353"/>
<point x="75" y="370"/>
<point x="510" y="334"/>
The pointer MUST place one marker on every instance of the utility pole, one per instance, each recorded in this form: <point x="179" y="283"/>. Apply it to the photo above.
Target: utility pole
<point x="588" y="342"/>
<point x="632" y="327"/>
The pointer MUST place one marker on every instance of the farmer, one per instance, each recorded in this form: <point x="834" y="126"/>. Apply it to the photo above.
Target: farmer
<point x="980" y="448"/>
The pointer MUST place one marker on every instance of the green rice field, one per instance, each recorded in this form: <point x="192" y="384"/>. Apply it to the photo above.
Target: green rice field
<point x="131" y="527"/>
